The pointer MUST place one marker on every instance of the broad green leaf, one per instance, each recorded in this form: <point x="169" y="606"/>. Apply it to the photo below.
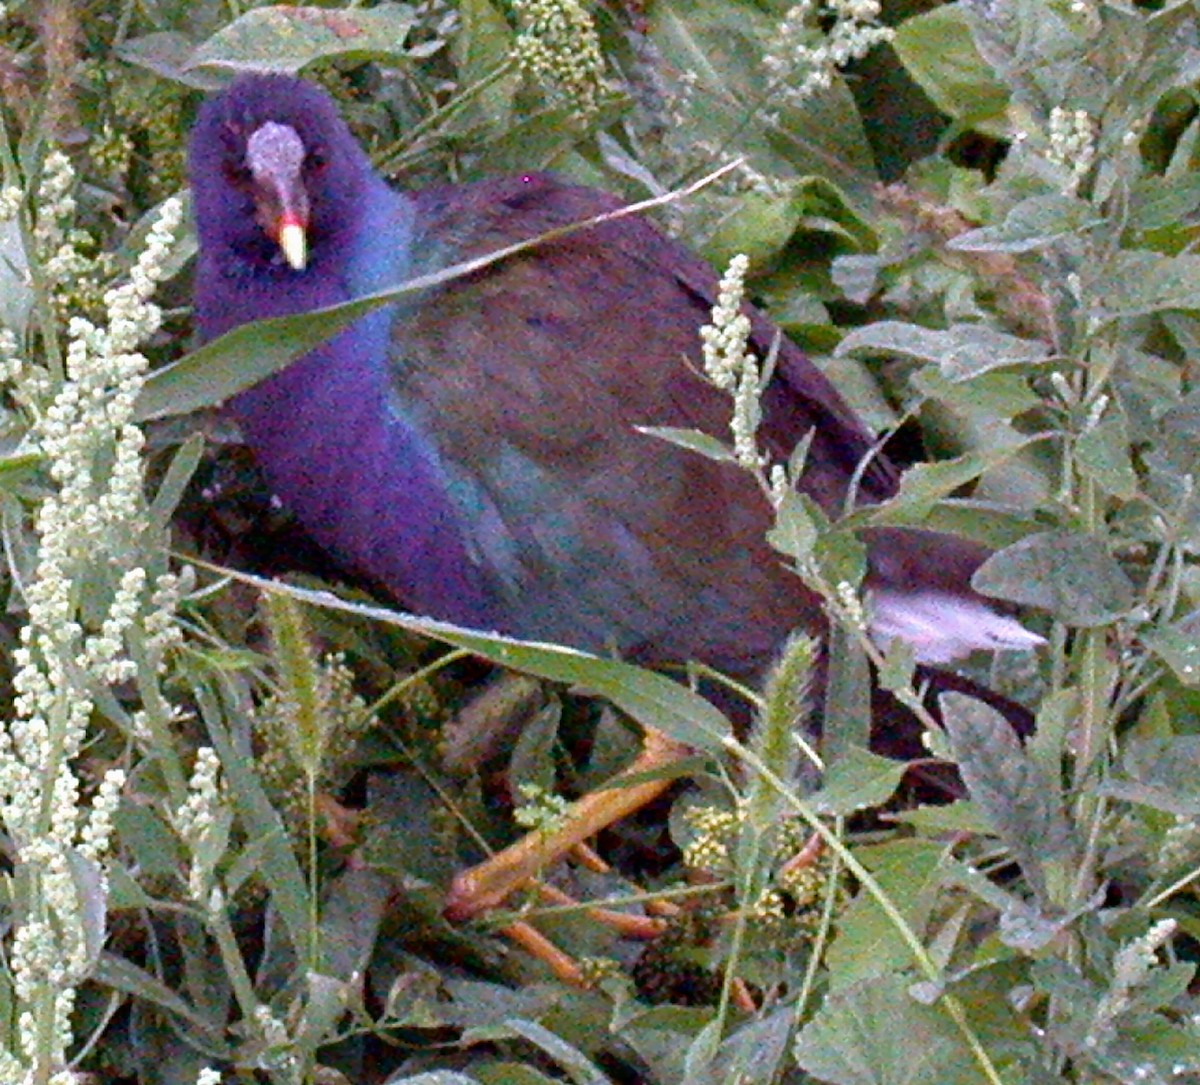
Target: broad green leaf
<point x="939" y="52"/>
<point x="867" y="942"/>
<point x="1144" y="282"/>
<point x="650" y="698"/>
<point x="1034" y="223"/>
<point x="764" y="226"/>
<point x="1007" y="784"/>
<point x="1178" y="646"/>
<point x="961" y="351"/>
<point x="353" y="906"/>
<point x="324" y="1006"/>
<point x="281" y="38"/>
<point x="876" y="1033"/>
<point x="759" y="226"/>
<point x="959" y="816"/>
<point x="1072" y="576"/>
<point x="858" y="780"/>
<point x="755" y="1052"/>
<point x="167" y="53"/>
<point x="796" y="527"/>
<point x="1157" y="203"/>
<point x="481" y="46"/>
<point x="1102" y="454"/>
<point x="1162" y="773"/>
<point x="990" y="398"/>
<point x="927" y="483"/>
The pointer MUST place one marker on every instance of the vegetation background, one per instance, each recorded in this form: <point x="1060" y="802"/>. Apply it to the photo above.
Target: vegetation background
<point x="232" y="809"/>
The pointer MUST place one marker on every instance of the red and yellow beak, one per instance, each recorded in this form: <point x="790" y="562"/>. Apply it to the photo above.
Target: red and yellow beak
<point x="293" y="240"/>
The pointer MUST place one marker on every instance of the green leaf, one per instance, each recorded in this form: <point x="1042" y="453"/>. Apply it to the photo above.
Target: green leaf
<point x="512" y="1073"/>
<point x="285" y="39"/>
<point x="533" y="754"/>
<point x="961" y="351"/>
<point x="16" y="294"/>
<point x="927" y="483"/>
<point x="875" y="1033"/>
<point x="481" y="46"/>
<point x="756" y="1051"/>
<point x="248" y="354"/>
<point x="867" y="941"/>
<point x="1144" y="282"/>
<point x="846" y="719"/>
<point x="1022" y="804"/>
<point x="578" y="1066"/>
<point x="1071" y="576"/>
<point x="123" y="975"/>
<point x="759" y="226"/>
<point x="175" y="481"/>
<point x="1034" y="223"/>
<point x="1178" y="646"/>
<point x="693" y="440"/>
<point x="796" y="528"/>
<point x="652" y="699"/>
<point x="1102" y="454"/>
<point x="281" y="872"/>
<point x="858" y="780"/>
<point x="988" y="398"/>
<point x="167" y="53"/>
<point x="1161" y="773"/>
<point x="324" y="1007"/>
<point x="353" y="905"/>
<point x="939" y="52"/>
<point x="721" y="43"/>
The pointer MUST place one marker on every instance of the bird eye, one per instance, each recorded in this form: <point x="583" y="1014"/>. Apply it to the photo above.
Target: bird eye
<point x="236" y="174"/>
<point x="316" y="161"/>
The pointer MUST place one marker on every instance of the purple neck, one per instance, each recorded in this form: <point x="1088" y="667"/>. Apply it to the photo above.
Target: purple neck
<point x="327" y="432"/>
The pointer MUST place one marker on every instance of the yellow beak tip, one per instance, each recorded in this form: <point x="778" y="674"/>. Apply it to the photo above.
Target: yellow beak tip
<point x="294" y="245"/>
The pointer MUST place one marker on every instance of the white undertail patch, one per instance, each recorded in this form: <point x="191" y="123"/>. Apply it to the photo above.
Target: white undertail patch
<point x="942" y="627"/>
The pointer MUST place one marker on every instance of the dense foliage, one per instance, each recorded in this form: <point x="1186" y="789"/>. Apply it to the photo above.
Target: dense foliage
<point x="233" y="805"/>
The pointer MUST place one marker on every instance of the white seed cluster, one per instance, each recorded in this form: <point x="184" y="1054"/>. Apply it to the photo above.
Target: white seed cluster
<point x="716" y="831"/>
<point x="1180" y="844"/>
<point x="541" y="810"/>
<point x="1133" y="967"/>
<point x="731" y="366"/>
<point x="1073" y="135"/>
<point x="198" y="819"/>
<point x="558" y="46"/>
<point x="11" y="198"/>
<point x="850" y="606"/>
<point x="803" y="61"/>
<point x="81" y="424"/>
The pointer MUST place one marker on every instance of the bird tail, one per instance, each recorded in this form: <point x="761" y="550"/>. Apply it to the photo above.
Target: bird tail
<point x="942" y="626"/>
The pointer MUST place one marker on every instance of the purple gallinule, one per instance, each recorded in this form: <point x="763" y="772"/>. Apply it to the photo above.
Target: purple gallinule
<point x="474" y="449"/>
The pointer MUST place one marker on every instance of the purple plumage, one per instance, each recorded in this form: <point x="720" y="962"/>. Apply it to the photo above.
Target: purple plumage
<point x="475" y="450"/>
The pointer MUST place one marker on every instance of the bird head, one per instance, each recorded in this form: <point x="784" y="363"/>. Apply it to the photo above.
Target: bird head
<point x="276" y="174"/>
